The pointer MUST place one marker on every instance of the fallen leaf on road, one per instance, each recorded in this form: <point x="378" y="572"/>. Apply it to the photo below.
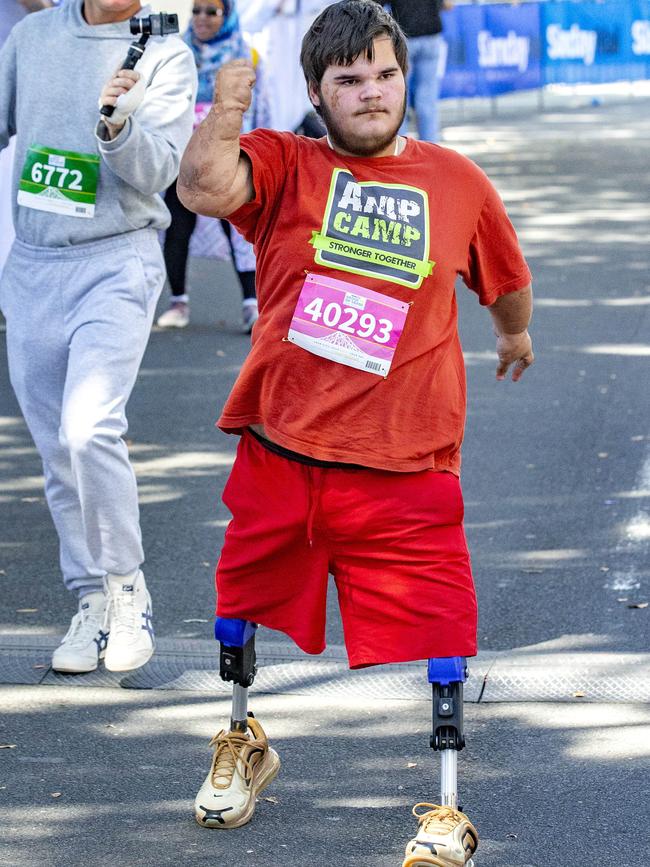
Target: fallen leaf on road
<point x="411" y="764"/>
<point x="196" y="620"/>
<point x="271" y="799"/>
<point x="55" y="794"/>
<point x="638" y="605"/>
<point x="7" y="746"/>
<point x="39" y="665"/>
<point x="26" y="610"/>
<point x="511" y="836"/>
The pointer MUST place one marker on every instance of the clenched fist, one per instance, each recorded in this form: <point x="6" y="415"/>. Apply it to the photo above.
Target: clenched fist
<point x="233" y="89"/>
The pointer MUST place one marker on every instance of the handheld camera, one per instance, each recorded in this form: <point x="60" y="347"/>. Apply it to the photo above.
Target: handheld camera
<point x="161" y="24"/>
<point x="154" y="25"/>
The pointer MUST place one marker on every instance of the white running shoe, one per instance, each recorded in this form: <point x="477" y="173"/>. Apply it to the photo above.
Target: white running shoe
<point x="243" y="765"/>
<point x="128" y="617"/>
<point x="84" y="643"/>
<point x="178" y="316"/>
<point x="445" y="838"/>
<point x="250" y="315"/>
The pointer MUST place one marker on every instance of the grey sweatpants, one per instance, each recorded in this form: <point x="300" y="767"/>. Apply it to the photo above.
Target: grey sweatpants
<point x="78" y="321"/>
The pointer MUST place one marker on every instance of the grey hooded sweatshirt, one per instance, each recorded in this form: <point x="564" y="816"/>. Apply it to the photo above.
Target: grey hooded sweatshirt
<point x="53" y="67"/>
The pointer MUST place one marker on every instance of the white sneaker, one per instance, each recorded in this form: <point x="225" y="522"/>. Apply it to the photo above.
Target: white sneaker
<point x="178" y="316"/>
<point x="128" y="615"/>
<point x="250" y="315"/>
<point x="84" y="643"/>
<point x="242" y="766"/>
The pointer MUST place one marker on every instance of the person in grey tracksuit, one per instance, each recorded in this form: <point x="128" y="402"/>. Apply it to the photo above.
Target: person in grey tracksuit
<point x="81" y="283"/>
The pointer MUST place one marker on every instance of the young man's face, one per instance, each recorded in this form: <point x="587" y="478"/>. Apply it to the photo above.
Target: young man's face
<point x="363" y="104"/>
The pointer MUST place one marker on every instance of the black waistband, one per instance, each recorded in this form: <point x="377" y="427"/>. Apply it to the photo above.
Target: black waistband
<point x="302" y="459"/>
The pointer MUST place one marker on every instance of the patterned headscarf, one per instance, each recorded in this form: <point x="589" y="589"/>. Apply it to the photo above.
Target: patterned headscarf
<point x="228" y="44"/>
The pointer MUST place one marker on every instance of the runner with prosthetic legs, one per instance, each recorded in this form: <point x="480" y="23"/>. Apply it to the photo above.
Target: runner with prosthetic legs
<point x="351" y="404"/>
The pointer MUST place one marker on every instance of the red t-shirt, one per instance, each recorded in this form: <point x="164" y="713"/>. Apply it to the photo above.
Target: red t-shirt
<point x="377" y="223"/>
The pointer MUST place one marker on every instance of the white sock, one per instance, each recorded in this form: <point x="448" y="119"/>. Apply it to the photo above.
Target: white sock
<point x="249" y="302"/>
<point x="184" y="299"/>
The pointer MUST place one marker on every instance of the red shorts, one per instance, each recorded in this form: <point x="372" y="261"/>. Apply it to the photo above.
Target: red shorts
<point x="394" y="543"/>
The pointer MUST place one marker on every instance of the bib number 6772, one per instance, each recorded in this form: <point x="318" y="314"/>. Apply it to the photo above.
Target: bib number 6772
<point x="44" y="174"/>
<point x="349" y="320"/>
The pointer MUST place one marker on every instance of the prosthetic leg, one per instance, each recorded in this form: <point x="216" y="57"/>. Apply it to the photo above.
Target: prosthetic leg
<point x="446" y="837"/>
<point x="447" y="676"/>
<point x="243" y="763"/>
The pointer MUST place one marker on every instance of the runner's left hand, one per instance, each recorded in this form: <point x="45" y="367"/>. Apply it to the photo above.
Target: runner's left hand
<point x="514" y="349"/>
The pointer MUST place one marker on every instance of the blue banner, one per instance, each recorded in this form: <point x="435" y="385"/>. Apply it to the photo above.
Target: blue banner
<point x="595" y="43"/>
<point x="499" y="48"/>
<point x="491" y="50"/>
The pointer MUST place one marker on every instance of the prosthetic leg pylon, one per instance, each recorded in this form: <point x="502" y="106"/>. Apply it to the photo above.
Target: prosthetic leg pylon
<point x="237" y="664"/>
<point x="447" y="676"/>
<point x="446" y="837"/>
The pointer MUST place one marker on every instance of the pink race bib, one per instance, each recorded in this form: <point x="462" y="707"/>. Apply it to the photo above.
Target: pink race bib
<point x="348" y="324"/>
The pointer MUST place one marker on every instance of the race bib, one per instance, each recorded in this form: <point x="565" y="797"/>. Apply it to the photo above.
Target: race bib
<point x="61" y="182"/>
<point x="348" y="324"/>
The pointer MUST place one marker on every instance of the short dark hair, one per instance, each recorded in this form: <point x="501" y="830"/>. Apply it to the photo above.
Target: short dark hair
<point x="343" y="32"/>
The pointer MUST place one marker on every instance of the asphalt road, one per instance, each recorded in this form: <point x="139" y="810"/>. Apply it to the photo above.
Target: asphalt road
<point x="108" y="777"/>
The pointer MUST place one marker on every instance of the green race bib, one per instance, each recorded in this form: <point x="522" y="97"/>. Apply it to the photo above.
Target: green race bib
<point x="61" y="182"/>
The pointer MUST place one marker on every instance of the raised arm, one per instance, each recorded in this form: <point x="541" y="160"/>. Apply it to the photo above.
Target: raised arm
<point x="215" y="176"/>
<point x="511" y="315"/>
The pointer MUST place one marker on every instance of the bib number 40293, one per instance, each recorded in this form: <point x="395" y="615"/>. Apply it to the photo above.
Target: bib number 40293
<point x="349" y="320"/>
<point x="348" y="323"/>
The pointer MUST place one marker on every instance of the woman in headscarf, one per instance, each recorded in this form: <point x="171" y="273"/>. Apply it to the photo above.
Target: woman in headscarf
<point x="215" y="38"/>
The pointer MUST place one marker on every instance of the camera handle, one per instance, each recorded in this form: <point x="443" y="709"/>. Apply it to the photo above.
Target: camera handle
<point x="135" y="52"/>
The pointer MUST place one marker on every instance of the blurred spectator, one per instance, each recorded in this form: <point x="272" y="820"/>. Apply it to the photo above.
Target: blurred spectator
<point x="421" y="22"/>
<point x="215" y="37"/>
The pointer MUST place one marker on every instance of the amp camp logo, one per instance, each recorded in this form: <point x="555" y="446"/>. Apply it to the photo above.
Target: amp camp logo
<point x="378" y="230"/>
